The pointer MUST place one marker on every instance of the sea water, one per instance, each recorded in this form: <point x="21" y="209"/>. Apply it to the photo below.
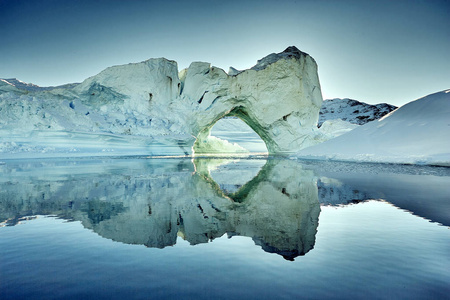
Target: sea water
<point x="222" y="228"/>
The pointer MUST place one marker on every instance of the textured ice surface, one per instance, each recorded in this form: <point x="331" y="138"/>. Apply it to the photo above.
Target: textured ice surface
<point x="279" y="99"/>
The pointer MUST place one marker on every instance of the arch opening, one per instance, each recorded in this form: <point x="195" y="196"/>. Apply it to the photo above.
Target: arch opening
<point x="230" y="134"/>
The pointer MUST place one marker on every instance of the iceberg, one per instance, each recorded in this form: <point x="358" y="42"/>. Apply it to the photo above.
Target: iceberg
<point x="147" y="104"/>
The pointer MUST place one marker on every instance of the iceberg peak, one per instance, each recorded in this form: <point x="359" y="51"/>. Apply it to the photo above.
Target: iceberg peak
<point x="288" y="53"/>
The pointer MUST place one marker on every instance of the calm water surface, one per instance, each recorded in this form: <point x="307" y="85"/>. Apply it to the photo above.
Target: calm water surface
<point x="222" y="228"/>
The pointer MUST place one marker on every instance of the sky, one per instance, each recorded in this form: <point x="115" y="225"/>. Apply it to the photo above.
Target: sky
<point x="372" y="51"/>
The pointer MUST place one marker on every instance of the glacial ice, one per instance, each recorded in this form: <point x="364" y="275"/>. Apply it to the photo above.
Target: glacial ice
<point x="152" y="103"/>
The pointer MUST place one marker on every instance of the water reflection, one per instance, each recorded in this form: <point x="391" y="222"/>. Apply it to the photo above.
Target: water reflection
<point x="152" y="202"/>
<point x="421" y="190"/>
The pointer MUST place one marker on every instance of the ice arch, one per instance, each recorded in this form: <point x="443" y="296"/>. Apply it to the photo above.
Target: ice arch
<point x="279" y="98"/>
<point x="234" y="130"/>
<point x="206" y="143"/>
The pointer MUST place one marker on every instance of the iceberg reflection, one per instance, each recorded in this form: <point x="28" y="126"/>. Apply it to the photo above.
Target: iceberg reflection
<point x="152" y="202"/>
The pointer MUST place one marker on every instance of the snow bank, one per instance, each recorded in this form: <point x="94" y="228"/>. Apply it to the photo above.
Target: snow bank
<point x="331" y="129"/>
<point x="416" y="133"/>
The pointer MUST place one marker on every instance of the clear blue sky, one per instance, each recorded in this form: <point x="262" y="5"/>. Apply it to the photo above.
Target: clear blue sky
<point x="372" y="51"/>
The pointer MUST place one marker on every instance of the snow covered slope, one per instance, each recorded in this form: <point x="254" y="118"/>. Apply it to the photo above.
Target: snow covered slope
<point x="416" y="133"/>
<point x="21" y="85"/>
<point x="33" y="87"/>
<point x="352" y="111"/>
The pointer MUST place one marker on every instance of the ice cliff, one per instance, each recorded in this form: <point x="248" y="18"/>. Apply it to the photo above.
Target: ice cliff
<point x="151" y="103"/>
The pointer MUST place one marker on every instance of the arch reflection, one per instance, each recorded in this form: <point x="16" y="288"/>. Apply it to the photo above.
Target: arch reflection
<point x="152" y="202"/>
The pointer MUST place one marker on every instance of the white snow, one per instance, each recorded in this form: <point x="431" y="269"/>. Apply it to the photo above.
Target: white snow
<point x="19" y="84"/>
<point x="6" y="81"/>
<point x="333" y="128"/>
<point x="416" y="133"/>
